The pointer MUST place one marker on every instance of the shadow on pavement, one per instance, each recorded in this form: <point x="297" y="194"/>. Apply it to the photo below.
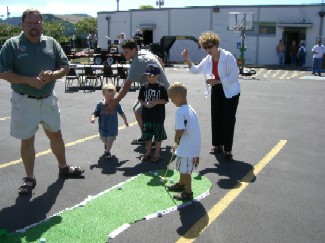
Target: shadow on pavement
<point x="108" y="166"/>
<point x="25" y="212"/>
<point x="190" y="215"/>
<point x="146" y="166"/>
<point x="234" y="170"/>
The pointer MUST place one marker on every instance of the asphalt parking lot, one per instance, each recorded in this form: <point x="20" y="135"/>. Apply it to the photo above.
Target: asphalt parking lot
<point x="271" y="192"/>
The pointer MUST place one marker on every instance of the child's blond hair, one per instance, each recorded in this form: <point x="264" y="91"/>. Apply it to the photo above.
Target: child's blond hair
<point x="177" y="89"/>
<point x="109" y="86"/>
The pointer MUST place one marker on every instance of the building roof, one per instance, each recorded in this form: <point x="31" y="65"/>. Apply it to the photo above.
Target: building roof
<point x="220" y="6"/>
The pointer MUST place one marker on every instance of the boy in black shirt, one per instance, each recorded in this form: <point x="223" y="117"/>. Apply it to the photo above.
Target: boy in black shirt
<point x="153" y="96"/>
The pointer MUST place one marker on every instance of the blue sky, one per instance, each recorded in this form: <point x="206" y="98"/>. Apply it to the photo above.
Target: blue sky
<point x="16" y="7"/>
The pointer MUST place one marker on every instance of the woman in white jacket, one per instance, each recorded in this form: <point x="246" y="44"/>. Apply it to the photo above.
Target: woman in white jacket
<point x="221" y="71"/>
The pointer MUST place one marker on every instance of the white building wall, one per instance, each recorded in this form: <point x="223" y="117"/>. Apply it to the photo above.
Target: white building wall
<point x="195" y="20"/>
<point x="157" y="18"/>
<point x="119" y="22"/>
<point x="189" y="22"/>
<point x="287" y="14"/>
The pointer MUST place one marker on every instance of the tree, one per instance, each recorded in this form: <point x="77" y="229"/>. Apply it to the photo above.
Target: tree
<point x="7" y="31"/>
<point x="59" y="29"/>
<point x="146" y="7"/>
<point x="86" y="25"/>
<point x="56" y="29"/>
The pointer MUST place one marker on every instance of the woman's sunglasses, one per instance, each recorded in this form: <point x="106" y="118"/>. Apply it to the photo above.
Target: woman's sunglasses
<point x="208" y="47"/>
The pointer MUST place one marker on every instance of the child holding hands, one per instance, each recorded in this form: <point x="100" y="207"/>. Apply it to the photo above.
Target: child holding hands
<point x="107" y="122"/>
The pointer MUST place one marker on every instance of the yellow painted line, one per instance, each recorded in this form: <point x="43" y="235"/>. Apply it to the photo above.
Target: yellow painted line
<point x="48" y="151"/>
<point x="218" y="208"/>
<point x="4" y="118"/>
<point x="283" y="76"/>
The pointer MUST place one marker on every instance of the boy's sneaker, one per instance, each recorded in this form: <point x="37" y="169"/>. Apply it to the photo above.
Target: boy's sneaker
<point x="108" y="155"/>
<point x="183" y="196"/>
<point x="70" y="171"/>
<point x="138" y="141"/>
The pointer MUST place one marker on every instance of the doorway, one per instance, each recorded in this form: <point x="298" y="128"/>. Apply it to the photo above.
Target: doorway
<point x="147" y="37"/>
<point x="289" y="34"/>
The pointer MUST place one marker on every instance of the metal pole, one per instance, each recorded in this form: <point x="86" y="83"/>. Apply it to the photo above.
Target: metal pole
<point x="242" y="51"/>
<point x="8" y="13"/>
<point x="321" y="15"/>
<point x="242" y="55"/>
<point x="118" y="5"/>
<point x="160" y="3"/>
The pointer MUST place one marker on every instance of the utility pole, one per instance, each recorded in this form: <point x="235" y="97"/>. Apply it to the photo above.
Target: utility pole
<point x="8" y="14"/>
<point x="118" y="5"/>
<point x="160" y="3"/>
<point x="321" y="15"/>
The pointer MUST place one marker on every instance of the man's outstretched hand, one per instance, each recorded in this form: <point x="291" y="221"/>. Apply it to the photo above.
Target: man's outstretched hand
<point x="110" y="107"/>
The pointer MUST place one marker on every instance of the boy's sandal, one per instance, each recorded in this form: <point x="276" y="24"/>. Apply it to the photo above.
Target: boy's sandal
<point x="27" y="186"/>
<point x="176" y="187"/>
<point x="71" y="171"/>
<point x="145" y="157"/>
<point x="183" y="196"/>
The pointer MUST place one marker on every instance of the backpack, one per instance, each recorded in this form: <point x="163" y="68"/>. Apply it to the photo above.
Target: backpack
<point x="302" y="52"/>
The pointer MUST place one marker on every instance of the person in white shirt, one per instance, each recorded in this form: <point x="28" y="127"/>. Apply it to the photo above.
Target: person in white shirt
<point x="122" y="38"/>
<point x="318" y="52"/>
<point x="222" y="74"/>
<point x="187" y="141"/>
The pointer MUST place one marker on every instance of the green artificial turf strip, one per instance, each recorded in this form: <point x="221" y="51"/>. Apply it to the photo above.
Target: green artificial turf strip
<point x="93" y="222"/>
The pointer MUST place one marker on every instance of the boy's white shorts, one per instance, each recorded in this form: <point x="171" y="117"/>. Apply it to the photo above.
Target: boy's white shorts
<point x="185" y="164"/>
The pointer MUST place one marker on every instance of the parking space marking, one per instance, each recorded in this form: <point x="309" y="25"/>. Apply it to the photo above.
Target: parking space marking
<point x="4" y="118"/>
<point x="45" y="152"/>
<point x="296" y="74"/>
<point x="267" y="73"/>
<point x="284" y="75"/>
<point x="218" y="208"/>
<point x="312" y="77"/>
<point x="276" y="73"/>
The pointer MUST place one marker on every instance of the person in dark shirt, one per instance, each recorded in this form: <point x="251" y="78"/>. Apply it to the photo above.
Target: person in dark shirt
<point x="153" y="97"/>
<point x="138" y="37"/>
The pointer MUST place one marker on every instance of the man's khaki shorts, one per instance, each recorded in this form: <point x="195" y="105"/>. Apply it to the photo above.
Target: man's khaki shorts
<point x="27" y="113"/>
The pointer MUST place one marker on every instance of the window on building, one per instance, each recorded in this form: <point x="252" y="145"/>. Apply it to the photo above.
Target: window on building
<point x="267" y="28"/>
<point x="263" y="28"/>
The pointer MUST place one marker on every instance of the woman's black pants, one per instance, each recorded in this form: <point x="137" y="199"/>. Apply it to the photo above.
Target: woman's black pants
<point x="223" y="117"/>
